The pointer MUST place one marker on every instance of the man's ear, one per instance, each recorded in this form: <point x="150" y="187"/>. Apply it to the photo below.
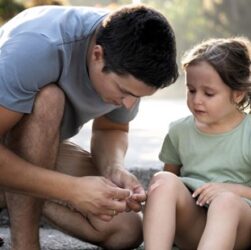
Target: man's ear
<point x="238" y="96"/>
<point x="97" y="53"/>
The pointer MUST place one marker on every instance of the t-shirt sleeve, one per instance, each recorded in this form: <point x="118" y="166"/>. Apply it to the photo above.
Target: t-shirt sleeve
<point x="169" y="153"/>
<point x="27" y="63"/>
<point x="124" y="115"/>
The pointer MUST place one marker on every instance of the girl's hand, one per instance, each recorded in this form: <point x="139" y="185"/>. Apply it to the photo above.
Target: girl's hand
<point x="207" y="192"/>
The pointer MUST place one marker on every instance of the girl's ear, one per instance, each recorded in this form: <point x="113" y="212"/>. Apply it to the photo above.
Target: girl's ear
<point x="238" y="96"/>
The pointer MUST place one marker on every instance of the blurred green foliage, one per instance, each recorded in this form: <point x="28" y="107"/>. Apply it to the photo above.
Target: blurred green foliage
<point x="197" y="20"/>
<point x="192" y="20"/>
<point x="8" y="9"/>
<point x="229" y="17"/>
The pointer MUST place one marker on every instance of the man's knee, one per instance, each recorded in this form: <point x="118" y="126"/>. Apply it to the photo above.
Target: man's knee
<point x="128" y="234"/>
<point x="44" y="120"/>
<point x="75" y="161"/>
<point x="49" y="104"/>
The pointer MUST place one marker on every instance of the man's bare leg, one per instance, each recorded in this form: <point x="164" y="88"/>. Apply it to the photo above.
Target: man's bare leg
<point x="36" y="140"/>
<point x="124" y="231"/>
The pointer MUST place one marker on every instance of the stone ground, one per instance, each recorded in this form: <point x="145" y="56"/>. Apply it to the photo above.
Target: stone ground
<point x="52" y="239"/>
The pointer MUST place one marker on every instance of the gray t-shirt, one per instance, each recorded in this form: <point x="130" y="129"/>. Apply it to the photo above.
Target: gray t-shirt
<point x="49" y="44"/>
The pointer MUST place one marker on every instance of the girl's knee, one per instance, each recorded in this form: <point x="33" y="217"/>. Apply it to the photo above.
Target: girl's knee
<point x="226" y="201"/>
<point x="164" y="176"/>
<point x="163" y="181"/>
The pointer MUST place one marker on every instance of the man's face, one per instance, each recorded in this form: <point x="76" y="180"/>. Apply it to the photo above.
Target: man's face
<point x="121" y="90"/>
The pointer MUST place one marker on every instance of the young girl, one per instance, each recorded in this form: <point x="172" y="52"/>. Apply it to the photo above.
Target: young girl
<point x="208" y="205"/>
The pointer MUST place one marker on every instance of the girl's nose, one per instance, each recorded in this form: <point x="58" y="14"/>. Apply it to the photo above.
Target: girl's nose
<point x="197" y="99"/>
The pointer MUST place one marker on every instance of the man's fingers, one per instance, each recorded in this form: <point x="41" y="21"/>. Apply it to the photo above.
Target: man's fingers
<point x="138" y="197"/>
<point x="105" y="217"/>
<point x="118" y="205"/>
<point x="134" y="205"/>
<point x="120" y="194"/>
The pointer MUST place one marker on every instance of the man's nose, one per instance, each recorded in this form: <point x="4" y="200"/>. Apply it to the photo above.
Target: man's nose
<point x="129" y="101"/>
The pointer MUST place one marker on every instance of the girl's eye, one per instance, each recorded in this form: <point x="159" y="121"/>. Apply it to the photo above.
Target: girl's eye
<point x="209" y="94"/>
<point x="192" y="91"/>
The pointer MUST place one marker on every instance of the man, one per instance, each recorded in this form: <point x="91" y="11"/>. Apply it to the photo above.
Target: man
<point x="59" y="68"/>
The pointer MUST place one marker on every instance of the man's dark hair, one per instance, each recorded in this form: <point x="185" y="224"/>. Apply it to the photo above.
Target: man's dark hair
<point x="138" y="40"/>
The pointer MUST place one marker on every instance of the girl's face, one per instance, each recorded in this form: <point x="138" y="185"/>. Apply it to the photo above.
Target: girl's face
<point x="210" y="100"/>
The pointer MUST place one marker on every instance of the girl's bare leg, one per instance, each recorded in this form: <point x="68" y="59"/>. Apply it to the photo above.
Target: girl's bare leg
<point x="171" y="215"/>
<point x="228" y="224"/>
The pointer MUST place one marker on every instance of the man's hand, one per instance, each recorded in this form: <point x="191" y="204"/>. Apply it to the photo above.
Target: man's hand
<point x="124" y="179"/>
<point x="99" y="196"/>
<point x="109" y="158"/>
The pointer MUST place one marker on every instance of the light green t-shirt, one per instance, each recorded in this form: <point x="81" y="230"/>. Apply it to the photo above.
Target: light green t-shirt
<point x="224" y="158"/>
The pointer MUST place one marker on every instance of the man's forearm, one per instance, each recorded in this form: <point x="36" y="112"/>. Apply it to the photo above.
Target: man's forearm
<point x="21" y="176"/>
<point x="108" y="149"/>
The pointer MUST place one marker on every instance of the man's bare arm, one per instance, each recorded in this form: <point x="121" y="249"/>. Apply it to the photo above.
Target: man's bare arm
<point x="109" y="146"/>
<point x="21" y="176"/>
